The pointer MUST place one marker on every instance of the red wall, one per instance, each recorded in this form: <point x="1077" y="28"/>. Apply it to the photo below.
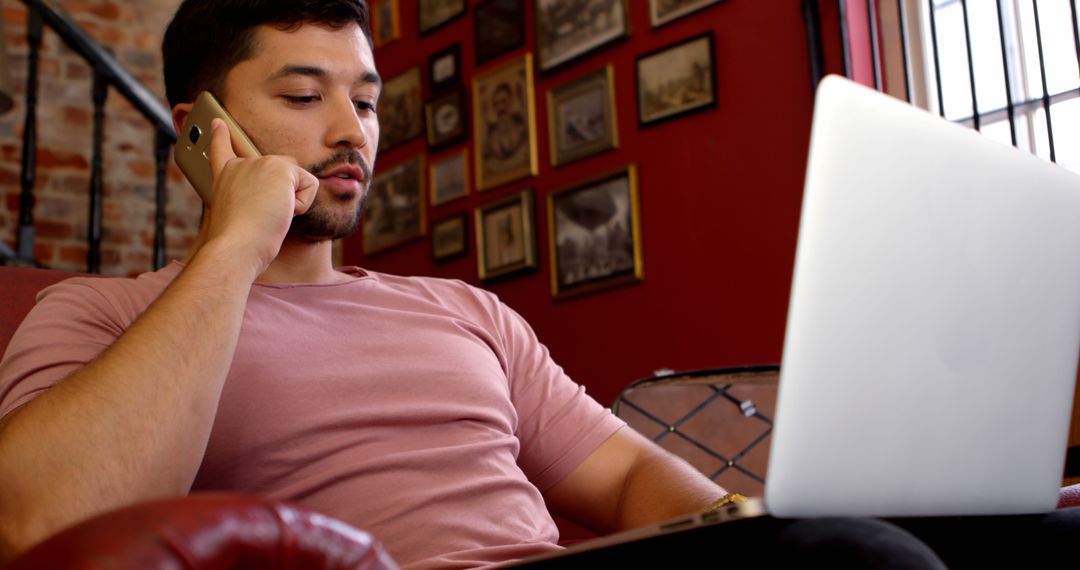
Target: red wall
<point x="720" y="194"/>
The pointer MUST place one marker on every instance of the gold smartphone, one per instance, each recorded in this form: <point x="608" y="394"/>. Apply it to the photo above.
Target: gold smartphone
<point x="192" y="149"/>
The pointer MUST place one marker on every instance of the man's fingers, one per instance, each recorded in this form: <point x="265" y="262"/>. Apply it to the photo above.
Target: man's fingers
<point x="306" y="187"/>
<point x="221" y="148"/>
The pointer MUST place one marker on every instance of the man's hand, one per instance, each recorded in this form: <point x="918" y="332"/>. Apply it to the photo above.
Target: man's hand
<point x="254" y="198"/>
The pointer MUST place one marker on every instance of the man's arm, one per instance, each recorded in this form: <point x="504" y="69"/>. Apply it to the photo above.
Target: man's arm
<point x="629" y="482"/>
<point x="134" y="423"/>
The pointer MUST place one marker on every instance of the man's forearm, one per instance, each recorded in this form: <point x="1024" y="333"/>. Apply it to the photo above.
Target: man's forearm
<point x="132" y="424"/>
<point x="662" y="486"/>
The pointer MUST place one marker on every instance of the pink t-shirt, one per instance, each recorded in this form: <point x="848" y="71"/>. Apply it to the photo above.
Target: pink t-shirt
<point x="422" y="410"/>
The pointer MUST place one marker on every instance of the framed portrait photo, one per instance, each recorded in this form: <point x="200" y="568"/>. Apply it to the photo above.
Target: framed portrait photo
<point x="434" y="14"/>
<point x="449" y="237"/>
<point x="385" y="22"/>
<point x="664" y="11"/>
<point x="564" y="33"/>
<point x="498" y="28"/>
<point x="676" y="80"/>
<point x="447" y="118"/>
<point x="449" y="177"/>
<point x="444" y="68"/>
<point x="581" y="117"/>
<point x="504" y="123"/>
<point x="594" y="230"/>
<point x="505" y="236"/>
<point x="401" y="109"/>
<point x="395" y="206"/>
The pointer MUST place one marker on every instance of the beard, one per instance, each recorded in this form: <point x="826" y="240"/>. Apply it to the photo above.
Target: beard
<point x="329" y="216"/>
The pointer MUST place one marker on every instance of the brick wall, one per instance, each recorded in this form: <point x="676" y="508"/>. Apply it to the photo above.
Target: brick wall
<point x="132" y="29"/>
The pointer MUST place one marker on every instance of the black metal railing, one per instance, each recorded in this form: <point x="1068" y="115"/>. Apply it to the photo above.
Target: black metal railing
<point x="107" y="73"/>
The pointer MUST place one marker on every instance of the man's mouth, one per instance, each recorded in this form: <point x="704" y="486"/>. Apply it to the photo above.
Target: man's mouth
<point x="346" y="172"/>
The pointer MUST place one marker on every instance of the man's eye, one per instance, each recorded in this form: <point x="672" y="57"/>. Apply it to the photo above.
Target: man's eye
<point x="364" y="106"/>
<point x="301" y="99"/>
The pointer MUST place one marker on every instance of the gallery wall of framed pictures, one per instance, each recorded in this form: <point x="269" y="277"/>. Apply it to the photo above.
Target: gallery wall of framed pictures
<point x="654" y="148"/>
<point x="470" y="96"/>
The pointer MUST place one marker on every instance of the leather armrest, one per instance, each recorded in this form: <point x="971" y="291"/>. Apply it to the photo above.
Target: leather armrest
<point x="209" y="532"/>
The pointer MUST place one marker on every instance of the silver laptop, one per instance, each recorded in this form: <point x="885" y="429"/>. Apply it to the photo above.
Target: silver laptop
<point x="931" y="346"/>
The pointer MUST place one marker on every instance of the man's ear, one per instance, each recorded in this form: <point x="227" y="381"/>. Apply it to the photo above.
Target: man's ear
<point x="179" y="114"/>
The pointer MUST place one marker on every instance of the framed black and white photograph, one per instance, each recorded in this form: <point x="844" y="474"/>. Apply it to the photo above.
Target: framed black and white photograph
<point x="498" y="28"/>
<point x="676" y="80"/>
<point x="385" y="22"/>
<point x="506" y="236"/>
<point x="568" y="29"/>
<point x="401" y="109"/>
<point x="504" y="124"/>
<point x="444" y="68"/>
<point x="447" y="119"/>
<point x="395" y="206"/>
<point x="434" y="14"/>
<point x="664" y="11"/>
<point x="449" y="177"/>
<point x="450" y="237"/>
<point x="581" y="117"/>
<point x="594" y="230"/>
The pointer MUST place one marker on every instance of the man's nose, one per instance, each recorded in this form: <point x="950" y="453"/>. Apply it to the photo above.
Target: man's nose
<point x="346" y="127"/>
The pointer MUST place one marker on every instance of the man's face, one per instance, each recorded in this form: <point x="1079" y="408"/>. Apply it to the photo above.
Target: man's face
<point x="310" y="93"/>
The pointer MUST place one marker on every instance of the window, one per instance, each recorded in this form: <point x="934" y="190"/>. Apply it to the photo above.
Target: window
<point x="1003" y="65"/>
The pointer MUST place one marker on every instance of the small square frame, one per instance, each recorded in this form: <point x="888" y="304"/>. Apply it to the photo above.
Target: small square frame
<point x="688" y="66"/>
<point x="581" y="117"/>
<point x="447" y="118"/>
<point x="434" y="14"/>
<point x="506" y="236"/>
<point x="449" y="177"/>
<point x="450" y="238"/>
<point x="444" y="68"/>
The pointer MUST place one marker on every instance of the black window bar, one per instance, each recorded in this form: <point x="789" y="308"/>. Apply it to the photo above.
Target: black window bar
<point x="979" y="117"/>
<point x="107" y="73"/>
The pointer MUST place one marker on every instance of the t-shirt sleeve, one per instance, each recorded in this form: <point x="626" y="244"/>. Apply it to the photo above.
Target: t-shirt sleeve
<point x="559" y="425"/>
<point x="71" y="324"/>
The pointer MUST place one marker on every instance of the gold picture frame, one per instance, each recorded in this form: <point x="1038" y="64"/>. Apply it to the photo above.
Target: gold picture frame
<point x="594" y="233"/>
<point x="582" y="120"/>
<point x="396" y="207"/>
<point x="506" y="236"/>
<point x="449" y="177"/>
<point x="401" y="109"/>
<point x="385" y="22"/>
<point x="504" y="124"/>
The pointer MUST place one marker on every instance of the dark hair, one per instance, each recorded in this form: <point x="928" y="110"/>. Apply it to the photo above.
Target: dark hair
<point x="207" y="38"/>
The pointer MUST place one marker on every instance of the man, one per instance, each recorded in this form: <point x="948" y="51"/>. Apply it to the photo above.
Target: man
<point x="421" y="410"/>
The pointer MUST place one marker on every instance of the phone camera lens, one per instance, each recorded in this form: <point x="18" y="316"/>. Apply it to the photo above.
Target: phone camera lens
<point x="194" y="134"/>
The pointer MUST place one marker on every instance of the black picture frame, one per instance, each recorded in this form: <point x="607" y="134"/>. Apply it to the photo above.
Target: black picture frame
<point x="498" y="28"/>
<point x="450" y="238"/>
<point x="563" y="35"/>
<point x="447" y="118"/>
<point x="688" y="65"/>
<point x="444" y="68"/>
<point x="432" y="15"/>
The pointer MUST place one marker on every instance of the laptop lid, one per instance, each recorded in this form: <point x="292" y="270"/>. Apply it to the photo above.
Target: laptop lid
<point x="934" y="323"/>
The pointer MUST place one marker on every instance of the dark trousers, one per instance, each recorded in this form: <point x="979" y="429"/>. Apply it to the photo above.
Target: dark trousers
<point x="1030" y="541"/>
